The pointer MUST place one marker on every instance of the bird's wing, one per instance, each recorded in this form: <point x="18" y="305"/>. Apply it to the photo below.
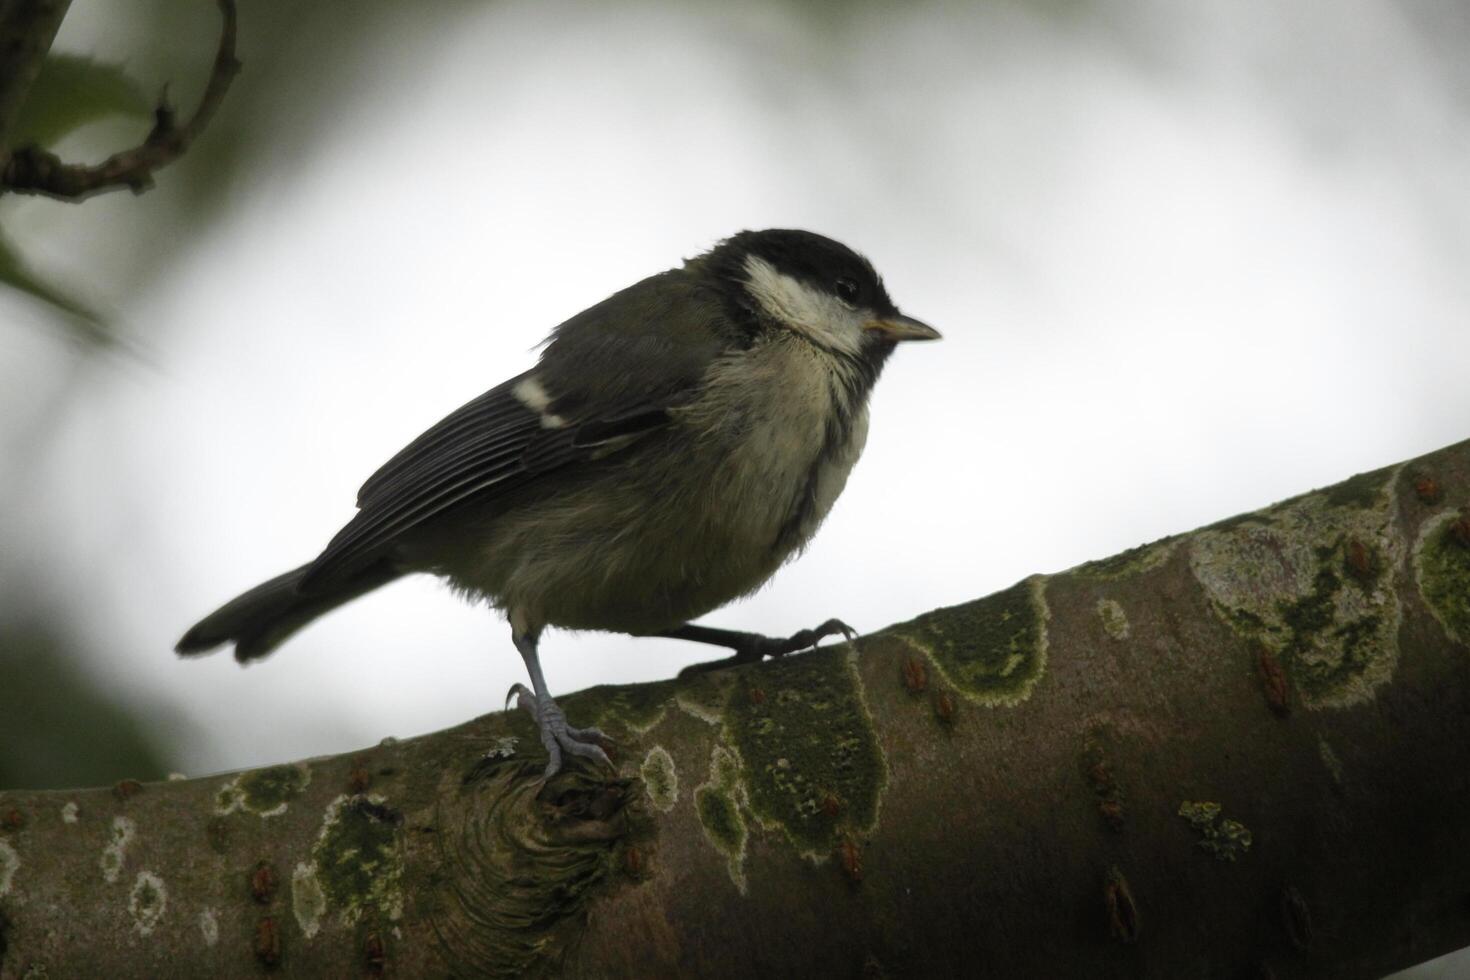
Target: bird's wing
<point x="608" y="377"/>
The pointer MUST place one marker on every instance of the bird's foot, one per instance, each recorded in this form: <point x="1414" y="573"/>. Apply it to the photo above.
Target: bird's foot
<point x="808" y="639"/>
<point x="556" y="734"/>
<point x="753" y="647"/>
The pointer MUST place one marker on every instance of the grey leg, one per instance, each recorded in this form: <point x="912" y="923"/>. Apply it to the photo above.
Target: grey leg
<point x="556" y="734"/>
<point x="751" y="647"/>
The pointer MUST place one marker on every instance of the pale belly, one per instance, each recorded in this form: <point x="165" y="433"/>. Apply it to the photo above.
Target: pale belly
<point x="679" y="526"/>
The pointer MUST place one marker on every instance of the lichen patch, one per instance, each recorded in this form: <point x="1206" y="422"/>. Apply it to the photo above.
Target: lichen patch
<point x="1311" y="580"/>
<point x="228" y="799"/>
<point x="803" y="735"/>
<point x="1442" y="571"/>
<point x="717" y="802"/>
<point x="1330" y="760"/>
<point x="1364" y="491"/>
<point x="1224" y="839"/>
<point x="116" y="850"/>
<point x="992" y="650"/>
<point x="356" y="857"/>
<point x="9" y="865"/>
<point x="636" y="708"/>
<point x="1134" y="561"/>
<point x="308" y="901"/>
<point x="264" y="792"/>
<point x="1114" y="619"/>
<point x="705" y="694"/>
<point x="502" y="747"/>
<point x="147" y="902"/>
<point x="660" y="778"/>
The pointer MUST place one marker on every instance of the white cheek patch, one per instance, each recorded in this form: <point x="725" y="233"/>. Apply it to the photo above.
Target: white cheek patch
<point x="821" y="317"/>
<point x="531" y="394"/>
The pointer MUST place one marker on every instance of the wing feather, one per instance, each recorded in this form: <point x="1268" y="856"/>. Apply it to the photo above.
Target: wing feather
<point x="479" y="420"/>
<point x="611" y="372"/>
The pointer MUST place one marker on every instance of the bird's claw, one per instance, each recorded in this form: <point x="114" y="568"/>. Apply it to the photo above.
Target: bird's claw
<point x="801" y="640"/>
<point x="520" y="690"/>
<point x="808" y="639"/>
<point x="556" y="734"/>
<point x="757" y="648"/>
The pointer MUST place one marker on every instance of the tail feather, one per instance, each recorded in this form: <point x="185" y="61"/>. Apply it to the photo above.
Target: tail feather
<point x="262" y="619"/>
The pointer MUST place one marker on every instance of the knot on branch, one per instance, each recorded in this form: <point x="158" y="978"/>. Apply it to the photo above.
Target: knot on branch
<point x="518" y="857"/>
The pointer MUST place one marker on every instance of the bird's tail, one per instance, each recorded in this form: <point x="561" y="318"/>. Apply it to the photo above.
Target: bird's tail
<point x="260" y="620"/>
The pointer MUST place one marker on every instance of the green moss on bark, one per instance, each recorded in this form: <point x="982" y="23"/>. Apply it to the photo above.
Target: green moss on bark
<point x="660" y="778"/>
<point x="1310" y="580"/>
<point x="268" y="789"/>
<point x="1133" y="561"/>
<point x="717" y="803"/>
<point x="263" y="792"/>
<point x="633" y="707"/>
<point x="720" y="816"/>
<point x="1224" y="839"/>
<point x="1442" y="567"/>
<point x="803" y="735"/>
<point x="356" y="857"/>
<point x="992" y="650"/>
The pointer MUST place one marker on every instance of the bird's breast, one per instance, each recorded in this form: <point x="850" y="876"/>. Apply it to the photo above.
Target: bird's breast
<point x="695" y="516"/>
<point x="786" y="425"/>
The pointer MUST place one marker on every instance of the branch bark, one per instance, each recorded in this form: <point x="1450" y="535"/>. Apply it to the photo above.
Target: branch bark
<point x="1239" y="751"/>
<point x="27" y="29"/>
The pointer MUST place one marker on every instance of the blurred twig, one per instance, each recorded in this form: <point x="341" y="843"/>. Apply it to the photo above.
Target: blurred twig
<point x="33" y="170"/>
<point x="16" y="272"/>
<point x="27" y="28"/>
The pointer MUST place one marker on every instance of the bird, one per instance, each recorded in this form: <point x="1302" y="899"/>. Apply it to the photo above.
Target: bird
<point x="673" y="446"/>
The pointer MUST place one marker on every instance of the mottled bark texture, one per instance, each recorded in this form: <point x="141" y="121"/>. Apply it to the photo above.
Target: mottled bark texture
<point x="1238" y="752"/>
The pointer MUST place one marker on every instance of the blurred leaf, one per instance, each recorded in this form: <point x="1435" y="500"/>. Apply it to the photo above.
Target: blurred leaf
<point x="82" y="321"/>
<point x="57" y="728"/>
<point x="71" y="91"/>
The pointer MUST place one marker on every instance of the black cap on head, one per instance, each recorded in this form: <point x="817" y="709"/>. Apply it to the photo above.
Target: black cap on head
<point x="814" y="259"/>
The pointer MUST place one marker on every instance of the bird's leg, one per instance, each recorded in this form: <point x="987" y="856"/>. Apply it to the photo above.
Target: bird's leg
<point x="556" y="734"/>
<point x="752" y="647"/>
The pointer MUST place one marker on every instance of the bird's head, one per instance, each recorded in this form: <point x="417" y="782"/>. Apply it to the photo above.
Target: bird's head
<point x="818" y="288"/>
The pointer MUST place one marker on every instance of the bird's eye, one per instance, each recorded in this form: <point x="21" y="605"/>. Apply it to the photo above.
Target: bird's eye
<point x="847" y="290"/>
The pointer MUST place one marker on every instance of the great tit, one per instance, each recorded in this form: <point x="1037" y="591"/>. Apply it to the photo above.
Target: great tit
<point x="673" y="446"/>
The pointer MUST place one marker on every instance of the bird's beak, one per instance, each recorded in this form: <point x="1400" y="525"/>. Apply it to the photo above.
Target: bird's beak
<point x="900" y="327"/>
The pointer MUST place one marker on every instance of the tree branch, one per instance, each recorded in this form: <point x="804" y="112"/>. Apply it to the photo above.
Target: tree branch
<point x="33" y="170"/>
<point x="27" y="28"/>
<point x="1236" y="752"/>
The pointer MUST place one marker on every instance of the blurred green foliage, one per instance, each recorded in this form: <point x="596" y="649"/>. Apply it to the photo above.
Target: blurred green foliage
<point x="58" y="726"/>
<point x="57" y="729"/>
<point x="70" y="92"/>
<point x="290" y="82"/>
<point x="70" y="311"/>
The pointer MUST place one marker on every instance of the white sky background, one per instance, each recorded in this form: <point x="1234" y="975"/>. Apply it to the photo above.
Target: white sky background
<point x="1187" y="262"/>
